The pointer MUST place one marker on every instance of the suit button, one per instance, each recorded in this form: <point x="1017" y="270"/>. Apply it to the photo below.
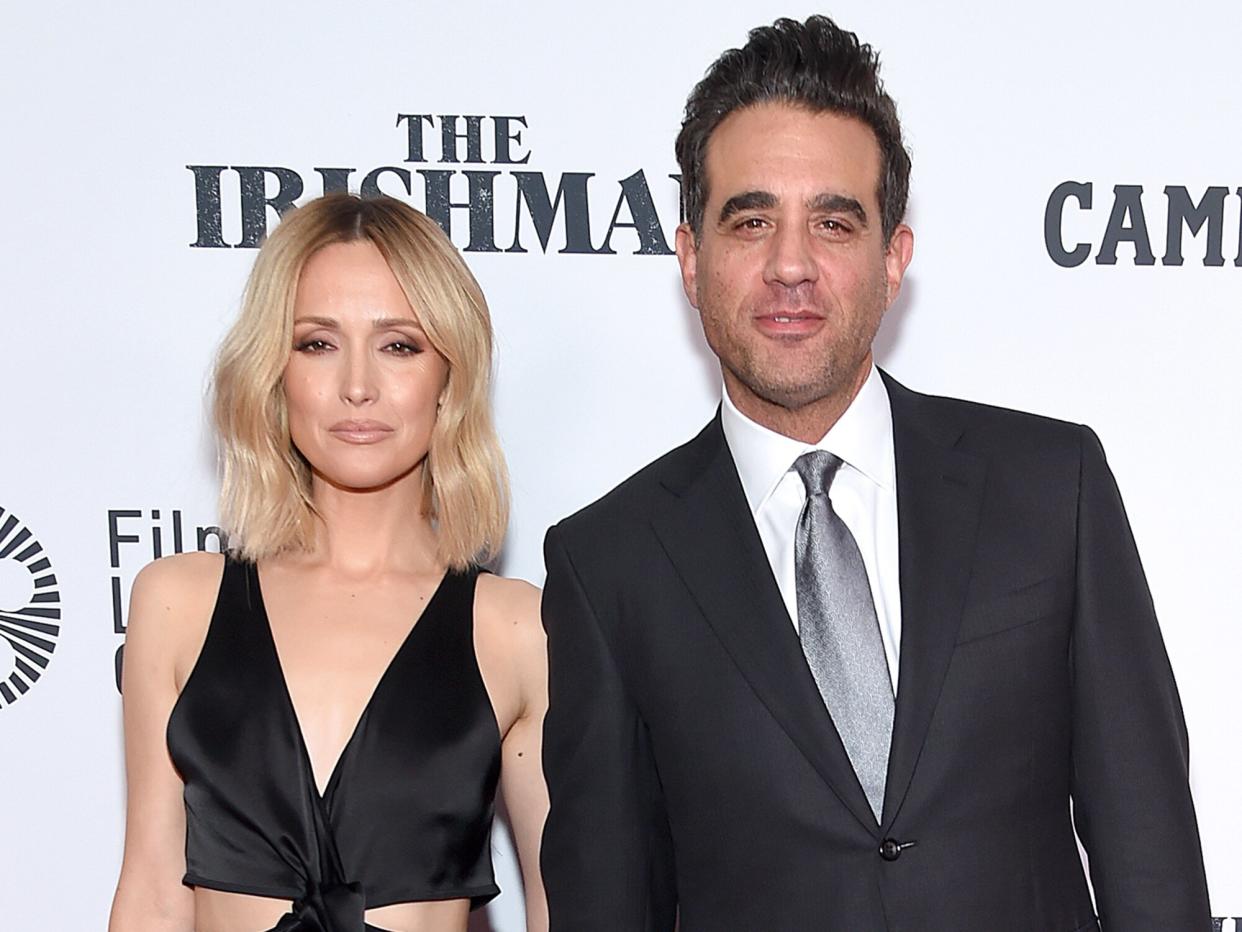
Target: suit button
<point x="890" y="849"/>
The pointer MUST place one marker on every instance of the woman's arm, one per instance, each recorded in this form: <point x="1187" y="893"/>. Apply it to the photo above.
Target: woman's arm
<point x="168" y="617"/>
<point x="513" y="610"/>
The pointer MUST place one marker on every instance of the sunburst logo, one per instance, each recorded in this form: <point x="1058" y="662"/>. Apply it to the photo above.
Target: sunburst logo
<point x="29" y="609"/>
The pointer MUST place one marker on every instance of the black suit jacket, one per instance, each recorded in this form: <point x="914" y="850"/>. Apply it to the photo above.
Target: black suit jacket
<point x="693" y="768"/>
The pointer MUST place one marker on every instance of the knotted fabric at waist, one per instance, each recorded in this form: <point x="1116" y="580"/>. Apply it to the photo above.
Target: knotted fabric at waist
<point x="326" y="908"/>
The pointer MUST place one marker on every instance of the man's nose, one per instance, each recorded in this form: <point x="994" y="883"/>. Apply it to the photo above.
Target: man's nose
<point x="791" y="260"/>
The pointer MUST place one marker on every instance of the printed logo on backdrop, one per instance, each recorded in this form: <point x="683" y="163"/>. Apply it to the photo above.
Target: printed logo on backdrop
<point x="29" y="609"/>
<point x="136" y="536"/>
<point x="1123" y="224"/>
<point x="501" y="203"/>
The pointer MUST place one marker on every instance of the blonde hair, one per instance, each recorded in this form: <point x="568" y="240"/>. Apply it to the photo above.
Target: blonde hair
<point x="265" y="491"/>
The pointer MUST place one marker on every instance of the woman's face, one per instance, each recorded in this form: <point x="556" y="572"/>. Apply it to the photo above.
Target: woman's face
<point x="363" y="381"/>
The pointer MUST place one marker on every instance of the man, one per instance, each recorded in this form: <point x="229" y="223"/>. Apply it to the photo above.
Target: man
<point x="843" y="661"/>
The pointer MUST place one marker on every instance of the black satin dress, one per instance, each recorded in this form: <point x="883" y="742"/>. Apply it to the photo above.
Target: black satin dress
<point x="406" y="815"/>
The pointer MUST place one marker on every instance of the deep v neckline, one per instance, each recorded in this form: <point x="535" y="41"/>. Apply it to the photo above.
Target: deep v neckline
<point x="326" y="793"/>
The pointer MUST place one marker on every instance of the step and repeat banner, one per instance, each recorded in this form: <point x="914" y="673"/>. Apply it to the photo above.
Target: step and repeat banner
<point x="1076" y="201"/>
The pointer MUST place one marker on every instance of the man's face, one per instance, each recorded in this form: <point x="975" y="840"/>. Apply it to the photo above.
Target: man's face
<point x="792" y="273"/>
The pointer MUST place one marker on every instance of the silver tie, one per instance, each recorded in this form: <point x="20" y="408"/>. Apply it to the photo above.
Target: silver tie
<point x="839" y="630"/>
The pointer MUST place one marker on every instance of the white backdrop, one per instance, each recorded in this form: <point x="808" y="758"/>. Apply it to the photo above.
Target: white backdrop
<point x="110" y="316"/>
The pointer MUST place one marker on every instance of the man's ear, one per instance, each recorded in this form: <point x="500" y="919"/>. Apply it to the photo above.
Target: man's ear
<point x="688" y="259"/>
<point x="897" y="258"/>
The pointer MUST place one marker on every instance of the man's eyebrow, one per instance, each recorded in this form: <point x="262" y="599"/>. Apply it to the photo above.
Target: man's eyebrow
<point x="748" y="200"/>
<point x="830" y="203"/>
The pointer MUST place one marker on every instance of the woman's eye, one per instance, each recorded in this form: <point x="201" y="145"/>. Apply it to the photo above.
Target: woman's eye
<point x="403" y="348"/>
<point x="313" y="346"/>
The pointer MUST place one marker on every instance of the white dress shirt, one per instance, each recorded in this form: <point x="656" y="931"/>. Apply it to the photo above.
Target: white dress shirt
<point x="864" y="495"/>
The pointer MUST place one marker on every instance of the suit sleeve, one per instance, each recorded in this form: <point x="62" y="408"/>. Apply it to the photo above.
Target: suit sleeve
<point x="1132" y="803"/>
<point x="606" y="857"/>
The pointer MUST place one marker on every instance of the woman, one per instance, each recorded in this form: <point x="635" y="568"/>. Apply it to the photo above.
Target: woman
<point x="315" y="724"/>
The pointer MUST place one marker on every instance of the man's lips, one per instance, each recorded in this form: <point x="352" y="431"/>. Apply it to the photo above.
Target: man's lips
<point x="360" y="431"/>
<point x="789" y="323"/>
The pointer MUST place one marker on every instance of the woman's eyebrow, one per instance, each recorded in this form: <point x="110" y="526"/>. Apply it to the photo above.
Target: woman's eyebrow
<point x="385" y="323"/>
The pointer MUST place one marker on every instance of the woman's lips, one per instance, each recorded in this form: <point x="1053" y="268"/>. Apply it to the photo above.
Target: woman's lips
<point x="360" y="431"/>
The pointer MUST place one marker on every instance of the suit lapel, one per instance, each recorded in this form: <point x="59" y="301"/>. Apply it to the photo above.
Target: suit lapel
<point x="710" y="537"/>
<point x="939" y="497"/>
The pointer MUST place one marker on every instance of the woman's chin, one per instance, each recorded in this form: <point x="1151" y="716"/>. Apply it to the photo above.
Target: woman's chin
<point x="363" y="481"/>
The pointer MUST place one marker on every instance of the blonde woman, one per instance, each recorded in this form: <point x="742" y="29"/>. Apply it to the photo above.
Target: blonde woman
<point x="316" y="724"/>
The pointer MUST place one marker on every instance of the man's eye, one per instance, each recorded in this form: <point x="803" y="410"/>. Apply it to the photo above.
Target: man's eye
<point x="750" y="223"/>
<point x="834" y="226"/>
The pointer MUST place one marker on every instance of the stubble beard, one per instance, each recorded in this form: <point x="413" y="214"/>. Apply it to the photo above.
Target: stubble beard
<point x="795" y="391"/>
<point x="836" y="374"/>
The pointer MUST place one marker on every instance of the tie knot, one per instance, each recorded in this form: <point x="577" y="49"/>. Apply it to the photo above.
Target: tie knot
<point x="817" y="470"/>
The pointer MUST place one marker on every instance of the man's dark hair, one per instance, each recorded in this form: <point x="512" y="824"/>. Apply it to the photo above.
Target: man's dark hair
<point x="816" y="65"/>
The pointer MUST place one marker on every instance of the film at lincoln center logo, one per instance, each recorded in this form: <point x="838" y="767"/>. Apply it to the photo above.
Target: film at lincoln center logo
<point x="29" y="609"/>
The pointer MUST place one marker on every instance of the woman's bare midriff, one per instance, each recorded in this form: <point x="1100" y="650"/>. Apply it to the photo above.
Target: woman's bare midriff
<point x="215" y="911"/>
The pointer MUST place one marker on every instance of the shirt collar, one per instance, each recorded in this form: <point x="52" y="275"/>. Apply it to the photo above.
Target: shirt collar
<point x="862" y="437"/>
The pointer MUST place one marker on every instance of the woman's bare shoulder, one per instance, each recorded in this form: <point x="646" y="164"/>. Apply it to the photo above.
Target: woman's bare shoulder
<point x="513" y="603"/>
<point x="506" y="613"/>
<point x="176" y="588"/>
<point x="179" y="575"/>
<point x="512" y="646"/>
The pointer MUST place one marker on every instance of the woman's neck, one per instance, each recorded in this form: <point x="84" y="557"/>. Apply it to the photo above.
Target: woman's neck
<point x="366" y="533"/>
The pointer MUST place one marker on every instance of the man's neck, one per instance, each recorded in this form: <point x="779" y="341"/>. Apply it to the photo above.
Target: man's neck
<point x="808" y="423"/>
